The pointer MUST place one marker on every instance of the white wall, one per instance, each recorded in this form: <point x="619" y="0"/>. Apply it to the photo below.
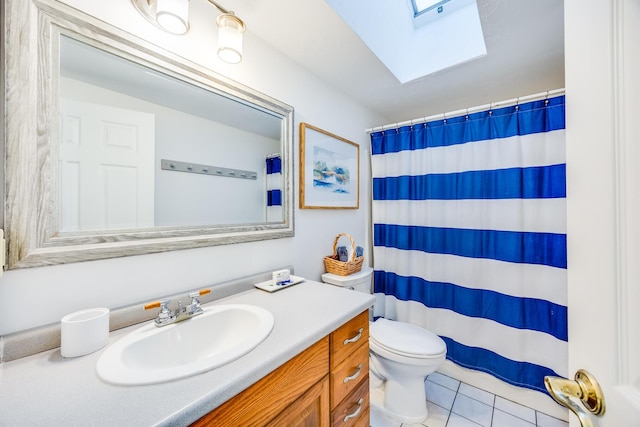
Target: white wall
<point x="194" y="199"/>
<point x="37" y="296"/>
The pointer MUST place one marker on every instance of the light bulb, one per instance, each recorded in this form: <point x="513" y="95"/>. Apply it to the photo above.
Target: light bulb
<point x="230" y="38"/>
<point x="173" y="15"/>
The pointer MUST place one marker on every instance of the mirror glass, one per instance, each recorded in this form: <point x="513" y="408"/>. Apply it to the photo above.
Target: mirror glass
<point x="141" y="149"/>
<point x="117" y="147"/>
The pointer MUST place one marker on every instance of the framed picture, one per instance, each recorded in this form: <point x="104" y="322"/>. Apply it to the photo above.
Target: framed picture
<point x="329" y="170"/>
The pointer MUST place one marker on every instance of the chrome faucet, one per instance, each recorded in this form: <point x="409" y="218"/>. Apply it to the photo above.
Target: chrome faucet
<point x="166" y="316"/>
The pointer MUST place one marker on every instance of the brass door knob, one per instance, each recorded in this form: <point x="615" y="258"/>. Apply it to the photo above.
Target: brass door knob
<point x="584" y="387"/>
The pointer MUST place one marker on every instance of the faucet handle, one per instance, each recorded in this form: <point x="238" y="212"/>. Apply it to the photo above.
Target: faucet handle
<point x="162" y="305"/>
<point x="195" y="303"/>
<point x="199" y="293"/>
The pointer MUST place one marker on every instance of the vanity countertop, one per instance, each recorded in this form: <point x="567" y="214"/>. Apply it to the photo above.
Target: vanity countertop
<point x="48" y="390"/>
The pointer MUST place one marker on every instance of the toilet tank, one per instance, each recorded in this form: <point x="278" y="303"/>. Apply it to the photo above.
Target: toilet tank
<point x="360" y="281"/>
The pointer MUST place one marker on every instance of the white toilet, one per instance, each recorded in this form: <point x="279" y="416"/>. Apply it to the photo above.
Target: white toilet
<point x="401" y="355"/>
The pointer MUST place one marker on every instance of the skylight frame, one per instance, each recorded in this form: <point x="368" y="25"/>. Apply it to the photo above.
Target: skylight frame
<point x="425" y="12"/>
<point x="421" y="7"/>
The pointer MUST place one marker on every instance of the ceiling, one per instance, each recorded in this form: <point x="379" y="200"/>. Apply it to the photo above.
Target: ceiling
<point x="525" y="55"/>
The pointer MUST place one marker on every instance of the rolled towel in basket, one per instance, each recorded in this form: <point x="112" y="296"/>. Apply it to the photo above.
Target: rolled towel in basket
<point x="343" y="254"/>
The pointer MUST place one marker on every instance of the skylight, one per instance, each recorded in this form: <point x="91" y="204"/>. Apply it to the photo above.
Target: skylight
<point x="426" y="11"/>
<point x="444" y="34"/>
<point x="423" y="6"/>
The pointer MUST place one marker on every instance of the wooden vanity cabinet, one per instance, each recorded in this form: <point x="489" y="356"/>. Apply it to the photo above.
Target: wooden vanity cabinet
<point x="290" y="386"/>
<point x="309" y="390"/>
<point x="349" y="377"/>
<point x="309" y="410"/>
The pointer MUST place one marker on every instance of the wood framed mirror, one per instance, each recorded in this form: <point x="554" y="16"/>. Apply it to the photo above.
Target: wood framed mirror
<point x="191" y="152"/>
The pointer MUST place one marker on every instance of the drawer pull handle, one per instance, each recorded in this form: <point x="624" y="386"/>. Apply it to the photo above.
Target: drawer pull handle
<point x="356" y="412"/>
<point x="354" y="339"/>
<point x="354" y="376"/>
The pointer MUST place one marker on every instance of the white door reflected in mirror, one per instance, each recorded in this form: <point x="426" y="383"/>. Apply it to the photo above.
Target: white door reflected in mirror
<point x="106" y="167"/>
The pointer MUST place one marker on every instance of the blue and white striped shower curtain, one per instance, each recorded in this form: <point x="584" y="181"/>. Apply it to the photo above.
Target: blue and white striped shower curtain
<point x="470" y="236"/>
<point x="274" y="188"/>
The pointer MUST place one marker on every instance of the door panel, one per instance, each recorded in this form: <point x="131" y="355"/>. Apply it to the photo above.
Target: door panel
<point x="603" y="200"/>
<point x="107" y="167"/>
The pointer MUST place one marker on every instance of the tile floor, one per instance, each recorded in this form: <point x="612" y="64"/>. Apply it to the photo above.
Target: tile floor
<point x="455" y="404"/>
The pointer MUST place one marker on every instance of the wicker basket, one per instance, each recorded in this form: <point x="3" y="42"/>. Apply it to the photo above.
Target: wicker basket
<point x="341" y="268"/>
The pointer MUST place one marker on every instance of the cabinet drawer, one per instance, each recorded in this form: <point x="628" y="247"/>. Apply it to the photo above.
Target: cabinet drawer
<point x="350" y="411"/>
<point x="348" y="375"/>
<point x="348" y="337"/>
<point x="364" y="420"/>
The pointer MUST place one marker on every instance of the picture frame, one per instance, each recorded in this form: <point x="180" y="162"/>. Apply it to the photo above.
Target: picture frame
<point x="329" y="170"/>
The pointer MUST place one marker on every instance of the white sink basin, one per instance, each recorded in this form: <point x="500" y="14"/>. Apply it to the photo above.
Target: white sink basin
<point x="150" y="355"/>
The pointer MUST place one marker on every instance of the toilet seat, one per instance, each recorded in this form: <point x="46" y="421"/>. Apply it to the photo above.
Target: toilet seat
<point x="405" y="339"/>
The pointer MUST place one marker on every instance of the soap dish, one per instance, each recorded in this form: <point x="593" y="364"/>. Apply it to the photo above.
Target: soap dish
<point x="270" y="286"/>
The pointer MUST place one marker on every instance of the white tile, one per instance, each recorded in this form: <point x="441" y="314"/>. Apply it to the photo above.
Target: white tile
<point x="412" y="425"/>
<point x="502" y="419"/>
<point x="376" y="419"/>
<point x="456" y="420"/>
<point x="477" y="394"/>
<point x="516" y="409"/>
<point x="439" y="395"/>
<point x="473" y="410"/>
<point x="444" y="380"/>
<point x="438" y="416"/>
<point x="545" y="420"/>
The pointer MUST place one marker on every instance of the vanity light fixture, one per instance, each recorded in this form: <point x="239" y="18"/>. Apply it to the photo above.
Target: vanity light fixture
<point x="173" y="16"/>
<point x="230" y="29"/>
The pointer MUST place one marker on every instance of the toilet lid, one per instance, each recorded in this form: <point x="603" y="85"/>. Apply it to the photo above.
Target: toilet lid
<point x="405" y="338"/>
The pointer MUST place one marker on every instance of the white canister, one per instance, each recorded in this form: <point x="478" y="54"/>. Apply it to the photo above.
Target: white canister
<point x="84" y="332"/>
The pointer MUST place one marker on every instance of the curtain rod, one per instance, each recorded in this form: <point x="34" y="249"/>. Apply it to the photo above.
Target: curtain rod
<point x="442" y="116"/>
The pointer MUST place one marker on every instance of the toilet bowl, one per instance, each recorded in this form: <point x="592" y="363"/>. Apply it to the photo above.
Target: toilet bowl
<point x="401" y="355"/>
